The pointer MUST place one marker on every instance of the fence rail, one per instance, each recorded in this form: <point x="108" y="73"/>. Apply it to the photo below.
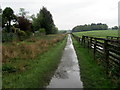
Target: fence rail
<point x="111" y="37"/>
<point x="108" y="48"/>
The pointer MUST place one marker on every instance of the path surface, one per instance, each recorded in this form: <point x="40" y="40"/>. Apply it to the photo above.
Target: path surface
<point x="68" y="74"/>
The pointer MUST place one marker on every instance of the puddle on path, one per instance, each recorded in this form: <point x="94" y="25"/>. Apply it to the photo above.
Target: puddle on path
<point x="68" y="74"/>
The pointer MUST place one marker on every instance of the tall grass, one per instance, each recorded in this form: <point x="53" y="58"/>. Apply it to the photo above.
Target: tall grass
<point x="31" y="63"/>
<point x="28" y="49"/>
<point x="16" y="55"/>
<point x="33" y="73"/>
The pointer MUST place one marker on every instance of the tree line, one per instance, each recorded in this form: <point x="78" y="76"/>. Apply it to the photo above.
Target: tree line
<point x="23" y="25"/>
<point x="90" y="27"/>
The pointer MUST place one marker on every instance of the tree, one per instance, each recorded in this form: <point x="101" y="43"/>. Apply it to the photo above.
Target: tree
<point x="115" y="27"/>
<point x="24" y="24"/>
<point x="7" y="17"/>
<point x="0" y="17"/>
<point x="0" y="10"/>
<point x="54" y="30"/>
<point x="32" y="16"/>
<point x="44" y="20"/>
<point x="22" y="12"/>
<point x="89" y="27"/>
<point x="23" y="21"/>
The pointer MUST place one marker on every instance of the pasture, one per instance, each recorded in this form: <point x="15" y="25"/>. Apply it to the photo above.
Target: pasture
<point x="99" y="33"/>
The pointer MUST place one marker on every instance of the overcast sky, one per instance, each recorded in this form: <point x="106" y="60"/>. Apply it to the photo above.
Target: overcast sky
<point x="69" y="13"/>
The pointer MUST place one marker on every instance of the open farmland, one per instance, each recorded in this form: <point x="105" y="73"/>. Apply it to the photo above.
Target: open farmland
<point x="99" y="33"/>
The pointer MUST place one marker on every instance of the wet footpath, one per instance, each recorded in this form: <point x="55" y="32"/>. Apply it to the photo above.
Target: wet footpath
<point x="67" y="74"/>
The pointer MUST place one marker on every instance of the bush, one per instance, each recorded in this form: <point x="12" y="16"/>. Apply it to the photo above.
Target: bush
<point x="8" y="68"/>
<point x="21" y="35"/>
<point x="8" y="37"/>
<point x="42" y="31"/>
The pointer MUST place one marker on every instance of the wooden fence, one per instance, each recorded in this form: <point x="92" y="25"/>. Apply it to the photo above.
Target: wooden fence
<point x="113" y="38"/>
<point x="108" y="51"/>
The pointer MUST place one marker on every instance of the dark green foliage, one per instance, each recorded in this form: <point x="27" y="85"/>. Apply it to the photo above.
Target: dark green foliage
<point x="44" y="20"/>
<point x="42" y="31"/>
<point x="22" y="35"/>
<point x="0" y="17"/>
<point x="22" y="27"/>
<point x="16" y="34"/>
<point x="0" y="20"/>
<point x="24" y="24"/>
<point x="0" y="10"/>
<point x="8" y="37"/>
<point x="54" y="30"/>
<point x="8" y="68"/>
<point x="7" y="17"/>
<point x="115" y="27"/>
<point x="20" y="30"/>
<point x="98" y="26"/>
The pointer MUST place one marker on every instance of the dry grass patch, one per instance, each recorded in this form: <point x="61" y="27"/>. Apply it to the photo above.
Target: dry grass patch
<point x="26" y="50"/>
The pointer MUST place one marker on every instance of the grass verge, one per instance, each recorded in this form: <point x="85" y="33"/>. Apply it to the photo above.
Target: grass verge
<point x="39" y="72"/>
<point x="92" y="75"/>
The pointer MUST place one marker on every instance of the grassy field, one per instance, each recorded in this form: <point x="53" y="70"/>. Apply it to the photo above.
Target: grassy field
<point x="31" y="64"/>
<point x="92" y="74"/>
<point x="99" y="33"/>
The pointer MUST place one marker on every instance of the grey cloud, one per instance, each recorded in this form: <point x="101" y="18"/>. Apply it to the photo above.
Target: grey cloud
<point x="69" y="13"/>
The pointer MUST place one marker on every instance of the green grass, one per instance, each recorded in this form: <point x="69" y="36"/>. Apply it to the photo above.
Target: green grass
<point x="92" y="74"/>
<point x="99" y="33"/>
<point x="39" y="72"/>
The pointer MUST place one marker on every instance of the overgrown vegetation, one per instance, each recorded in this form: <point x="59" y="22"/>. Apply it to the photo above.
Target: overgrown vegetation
<point x="44" y="20"/>
<point x="22" y="26"/>
<point x="29" y="54"/>
<point x="30" y="63"/>
<point x="92" y="74"/>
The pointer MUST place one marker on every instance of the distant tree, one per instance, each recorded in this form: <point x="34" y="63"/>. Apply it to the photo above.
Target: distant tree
<point x="7" y="17"/>
<point x="115" y="27"/>
<point x="62" y="31"/>
<point x="89" y="27"/>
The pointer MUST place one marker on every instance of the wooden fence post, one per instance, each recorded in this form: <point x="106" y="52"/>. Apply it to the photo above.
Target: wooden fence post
<point x="112" y="38"/>
<point x="106" y="55"/>
<point x="82" y="40"/>
<point x="79" y="39"/>
<point x="95" y="44"/>
<point x="87" y="42"/>
<point x="90" y="42"/>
